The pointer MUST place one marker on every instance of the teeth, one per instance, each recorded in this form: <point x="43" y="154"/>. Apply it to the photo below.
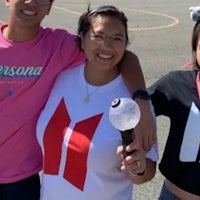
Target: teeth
<point x="28" y="12"/>
<point x="105" y="56"/>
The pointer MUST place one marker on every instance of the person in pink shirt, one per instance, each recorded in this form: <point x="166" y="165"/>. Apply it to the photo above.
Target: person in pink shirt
<point x="31" y="57"/>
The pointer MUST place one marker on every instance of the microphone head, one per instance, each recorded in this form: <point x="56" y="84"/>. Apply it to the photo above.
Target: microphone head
<point x="124" y="113"/>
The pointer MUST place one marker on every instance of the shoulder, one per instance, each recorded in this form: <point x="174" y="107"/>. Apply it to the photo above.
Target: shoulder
<point x="57" y="33"/>
<point x="63" y="44"/>
<point x="181" y="74"/>
<point x="173" y="82"/>
<point x="177" y="77"/>
<point x="67" y="73"/>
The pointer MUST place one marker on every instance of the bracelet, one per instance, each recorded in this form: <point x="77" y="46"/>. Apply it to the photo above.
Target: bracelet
<point x="142" y="94"/>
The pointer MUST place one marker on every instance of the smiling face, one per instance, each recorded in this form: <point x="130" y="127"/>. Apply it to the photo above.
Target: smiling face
<point x="105" y="42"/>
<point x="27" y="13"/>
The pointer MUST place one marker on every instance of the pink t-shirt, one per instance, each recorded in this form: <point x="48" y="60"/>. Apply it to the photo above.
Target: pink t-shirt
<point x="27" y="72"/>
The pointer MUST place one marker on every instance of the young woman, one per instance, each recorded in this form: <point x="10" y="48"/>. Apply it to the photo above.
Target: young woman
<point x="79" y="143"/>
<point x="30" y="59"/>
<point x="177" y="96"/>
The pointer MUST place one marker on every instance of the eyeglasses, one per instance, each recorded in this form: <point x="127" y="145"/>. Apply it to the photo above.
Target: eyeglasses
<point x="42" y="2"/>
<point x="100" y="39"/>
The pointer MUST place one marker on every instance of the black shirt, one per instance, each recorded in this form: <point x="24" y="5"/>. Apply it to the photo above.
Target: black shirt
<point x="175" y="96"/>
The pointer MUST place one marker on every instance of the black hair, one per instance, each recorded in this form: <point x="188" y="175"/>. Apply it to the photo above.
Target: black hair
<point x="85" y="19"/>
<point x="195" y="39"/>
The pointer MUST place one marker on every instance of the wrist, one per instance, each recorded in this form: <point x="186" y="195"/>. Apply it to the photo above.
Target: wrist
<point x="141" y="173"/>
<point x="141" y="94"/>
<point x="138" y="174"/>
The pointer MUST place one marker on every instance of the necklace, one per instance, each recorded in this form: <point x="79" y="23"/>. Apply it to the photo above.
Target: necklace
<point x="88" y="94"/>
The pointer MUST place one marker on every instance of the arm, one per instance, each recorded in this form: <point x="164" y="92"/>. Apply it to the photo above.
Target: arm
<point x="145" y="131"/>
<point x="148" y="174"/>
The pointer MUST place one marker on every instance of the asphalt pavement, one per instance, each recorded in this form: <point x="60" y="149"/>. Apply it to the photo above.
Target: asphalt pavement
<point x="160" y="34"/>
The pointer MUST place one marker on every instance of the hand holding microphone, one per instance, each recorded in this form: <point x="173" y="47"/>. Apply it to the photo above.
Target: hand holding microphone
<point x="124" y="115"/>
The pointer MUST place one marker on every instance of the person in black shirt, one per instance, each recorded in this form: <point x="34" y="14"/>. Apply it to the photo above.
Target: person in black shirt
<point x="177" y="96"/>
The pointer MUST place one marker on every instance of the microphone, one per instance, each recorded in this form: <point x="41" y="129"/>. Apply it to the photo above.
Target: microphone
<point x="124" y="115"/>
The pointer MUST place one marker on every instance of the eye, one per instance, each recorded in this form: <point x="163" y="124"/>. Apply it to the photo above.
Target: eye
<point x="118" y="39"/>
<point x="98" y="37"/>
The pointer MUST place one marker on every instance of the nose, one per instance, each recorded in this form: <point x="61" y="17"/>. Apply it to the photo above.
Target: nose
<point x="107" y="41"/>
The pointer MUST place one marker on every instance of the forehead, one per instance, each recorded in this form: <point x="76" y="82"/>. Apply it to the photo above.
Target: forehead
<point x="107" y="23"/>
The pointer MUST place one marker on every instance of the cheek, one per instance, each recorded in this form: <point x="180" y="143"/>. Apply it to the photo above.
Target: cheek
<point x="198" y="61"/>
<point x="121" y="50"/>
<point x="88" y="50"/>
<point x="198" y="55"/>
<point x="84" y="44"/>
<point x="87" y="46"/>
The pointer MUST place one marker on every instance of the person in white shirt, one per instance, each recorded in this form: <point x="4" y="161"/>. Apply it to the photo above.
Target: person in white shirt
<point x="78" y="142"/>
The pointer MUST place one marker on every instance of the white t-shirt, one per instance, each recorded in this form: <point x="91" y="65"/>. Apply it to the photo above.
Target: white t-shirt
<point x="79" y="143"/>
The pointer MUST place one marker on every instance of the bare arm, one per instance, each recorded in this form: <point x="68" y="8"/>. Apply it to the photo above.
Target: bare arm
<point x="148" y="174"/>
<point x="131" y="70"/>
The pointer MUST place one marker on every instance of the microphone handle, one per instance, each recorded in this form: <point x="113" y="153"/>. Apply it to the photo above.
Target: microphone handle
<point x="127" y="138"/>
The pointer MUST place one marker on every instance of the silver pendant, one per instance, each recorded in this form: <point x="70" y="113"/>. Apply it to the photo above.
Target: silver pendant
<point x="86" y="99"/>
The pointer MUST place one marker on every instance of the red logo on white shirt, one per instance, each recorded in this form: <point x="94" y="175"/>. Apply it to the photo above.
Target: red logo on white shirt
<point x="75" y="169"/>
